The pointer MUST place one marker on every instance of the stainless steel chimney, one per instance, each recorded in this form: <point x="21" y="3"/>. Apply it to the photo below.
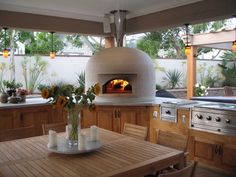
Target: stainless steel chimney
<point x="120" y="23"/>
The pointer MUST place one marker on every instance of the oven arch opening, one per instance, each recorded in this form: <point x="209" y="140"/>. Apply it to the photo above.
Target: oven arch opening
<point x="117" y="86"/>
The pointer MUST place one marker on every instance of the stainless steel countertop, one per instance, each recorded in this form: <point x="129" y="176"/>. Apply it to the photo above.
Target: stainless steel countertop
<point x="180" y="103"/>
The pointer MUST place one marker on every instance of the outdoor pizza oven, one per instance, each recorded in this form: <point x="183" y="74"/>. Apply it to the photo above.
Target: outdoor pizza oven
<point x="125" y="74"/>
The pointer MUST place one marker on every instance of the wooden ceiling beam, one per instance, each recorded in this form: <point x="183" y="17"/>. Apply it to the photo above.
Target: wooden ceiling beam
<point x="203" y="11"/>
<point x="21" y="20"/>
<point x="199" y="12"/>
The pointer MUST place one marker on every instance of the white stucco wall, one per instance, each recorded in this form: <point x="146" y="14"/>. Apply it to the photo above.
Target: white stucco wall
<point x="66" y="68"/>
<point x="59" y="69"/>
<point x="181" y="65"/>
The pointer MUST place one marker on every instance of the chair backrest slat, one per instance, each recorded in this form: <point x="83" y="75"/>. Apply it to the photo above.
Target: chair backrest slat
<point x="135" y="131"/>
<point x="58" y="127"/>
<point x="172" y="140"/>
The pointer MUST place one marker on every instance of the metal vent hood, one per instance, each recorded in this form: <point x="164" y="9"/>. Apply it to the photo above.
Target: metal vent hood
<point x="120" y="25"/>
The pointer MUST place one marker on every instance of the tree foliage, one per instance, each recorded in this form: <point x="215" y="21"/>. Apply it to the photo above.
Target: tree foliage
<point x="35" y="42"/>
<point x="168" y="43"/>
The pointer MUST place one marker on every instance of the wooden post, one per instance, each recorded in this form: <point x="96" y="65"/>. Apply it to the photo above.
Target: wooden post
<point x="109" y="42"/>
<point x="191" y="72"/>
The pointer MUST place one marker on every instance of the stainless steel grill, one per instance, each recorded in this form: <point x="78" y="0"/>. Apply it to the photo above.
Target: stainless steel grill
<point x="168" y="110"/>
<point x="216" y="118"/>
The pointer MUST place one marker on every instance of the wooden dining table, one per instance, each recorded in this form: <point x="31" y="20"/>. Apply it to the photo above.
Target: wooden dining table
<point x="119" y="155"/>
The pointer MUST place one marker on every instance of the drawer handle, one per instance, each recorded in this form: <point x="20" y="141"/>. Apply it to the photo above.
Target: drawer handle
<point x="168" y="112"/>
<point x="216" y="149"/>
<point x="115" y="114"/>
<point x="118" y="114"/>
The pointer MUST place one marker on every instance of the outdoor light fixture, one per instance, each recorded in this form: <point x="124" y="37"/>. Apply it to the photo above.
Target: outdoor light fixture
<point x="234" y="42"/>
<point x="5" y="51"/>
<point x="234" y="46"/>
<point x="52" y="53"/>
<point x="187" y="47"/>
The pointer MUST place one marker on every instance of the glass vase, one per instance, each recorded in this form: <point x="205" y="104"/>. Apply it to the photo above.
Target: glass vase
<point x="74" y="124"/>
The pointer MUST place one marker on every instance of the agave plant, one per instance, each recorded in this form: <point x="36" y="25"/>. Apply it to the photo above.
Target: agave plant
<point x="173" y="78"/>
<point x="81" y="79"/>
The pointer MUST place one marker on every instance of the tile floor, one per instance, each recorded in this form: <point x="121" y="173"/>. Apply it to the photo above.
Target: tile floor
<point x="205" y="172"/>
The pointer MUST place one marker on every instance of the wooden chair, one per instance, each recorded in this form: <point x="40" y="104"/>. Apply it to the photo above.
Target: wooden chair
<point x="175" y="141"/>
<point x="135" y="131"/>
<point x="187" y="171"/>
<point x="17" y="133"/>
<point x="228" y="91"/>
<point x="58" y="127"/>
<point x="172" y="140"/>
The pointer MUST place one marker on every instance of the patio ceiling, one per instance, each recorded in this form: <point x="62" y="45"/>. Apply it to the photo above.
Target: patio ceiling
<point x="86" y="16"/>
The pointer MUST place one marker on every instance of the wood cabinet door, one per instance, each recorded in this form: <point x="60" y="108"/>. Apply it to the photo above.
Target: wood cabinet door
<point x="6" y="119"/>
<point x="229" y="155"/>
<point x="24" y="117"/>
<point x="204" y="149"/>
<point x="127" y="115"/>
<point x="88" y="118"/>
<point x="57" y="115"/>
<point x="41" y="116"/>
<point x="105" y="117"/>
<point x="32" y="117"/>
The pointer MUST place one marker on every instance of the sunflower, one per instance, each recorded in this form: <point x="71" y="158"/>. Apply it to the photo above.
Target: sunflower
<point x="61" y="101"/>
<point x="96" y="89"/>
<point x="45" y="93"/>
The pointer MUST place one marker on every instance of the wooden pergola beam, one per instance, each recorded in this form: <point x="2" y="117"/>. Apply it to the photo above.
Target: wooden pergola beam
<point x="191" y="72"/>
<point x="213" y="38"/>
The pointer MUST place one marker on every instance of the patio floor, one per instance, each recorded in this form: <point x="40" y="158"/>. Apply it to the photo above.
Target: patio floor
<point x="206" y="172"/>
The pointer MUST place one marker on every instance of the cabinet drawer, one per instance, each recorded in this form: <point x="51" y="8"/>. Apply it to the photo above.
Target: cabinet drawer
<point x="204" y="149"/>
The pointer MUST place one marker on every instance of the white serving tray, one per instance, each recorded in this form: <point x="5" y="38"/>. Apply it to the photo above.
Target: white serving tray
<point x="64" y="148"/>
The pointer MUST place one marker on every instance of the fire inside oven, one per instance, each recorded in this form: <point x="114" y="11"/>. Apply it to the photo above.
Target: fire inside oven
<point x="117" y="86"/>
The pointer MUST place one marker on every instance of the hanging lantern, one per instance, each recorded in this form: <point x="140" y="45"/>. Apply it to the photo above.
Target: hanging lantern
<point x="187" y="47"/>
<point x="52" y="53"/>
<point x="5" y="51"/>
<point x="234" y="46"/>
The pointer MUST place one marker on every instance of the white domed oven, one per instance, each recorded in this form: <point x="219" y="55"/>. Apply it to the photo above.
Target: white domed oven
<point x="125" y="74"/>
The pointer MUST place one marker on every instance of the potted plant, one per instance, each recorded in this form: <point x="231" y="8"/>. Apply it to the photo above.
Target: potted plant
<point x="4" y="96"/>
<point x="11" y="86"/>
<point x="22" y="94"/>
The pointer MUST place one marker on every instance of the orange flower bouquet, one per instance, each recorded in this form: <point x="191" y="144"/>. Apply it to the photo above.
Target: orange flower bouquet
<point x="71" y="98"/>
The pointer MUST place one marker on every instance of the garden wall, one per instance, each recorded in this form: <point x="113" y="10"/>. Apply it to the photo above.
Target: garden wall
<point x="66" y="69"/>
<point x="205" y="68"/>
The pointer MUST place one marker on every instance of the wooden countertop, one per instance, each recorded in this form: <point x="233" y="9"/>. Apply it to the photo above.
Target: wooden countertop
<point x="119" y="156"/>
